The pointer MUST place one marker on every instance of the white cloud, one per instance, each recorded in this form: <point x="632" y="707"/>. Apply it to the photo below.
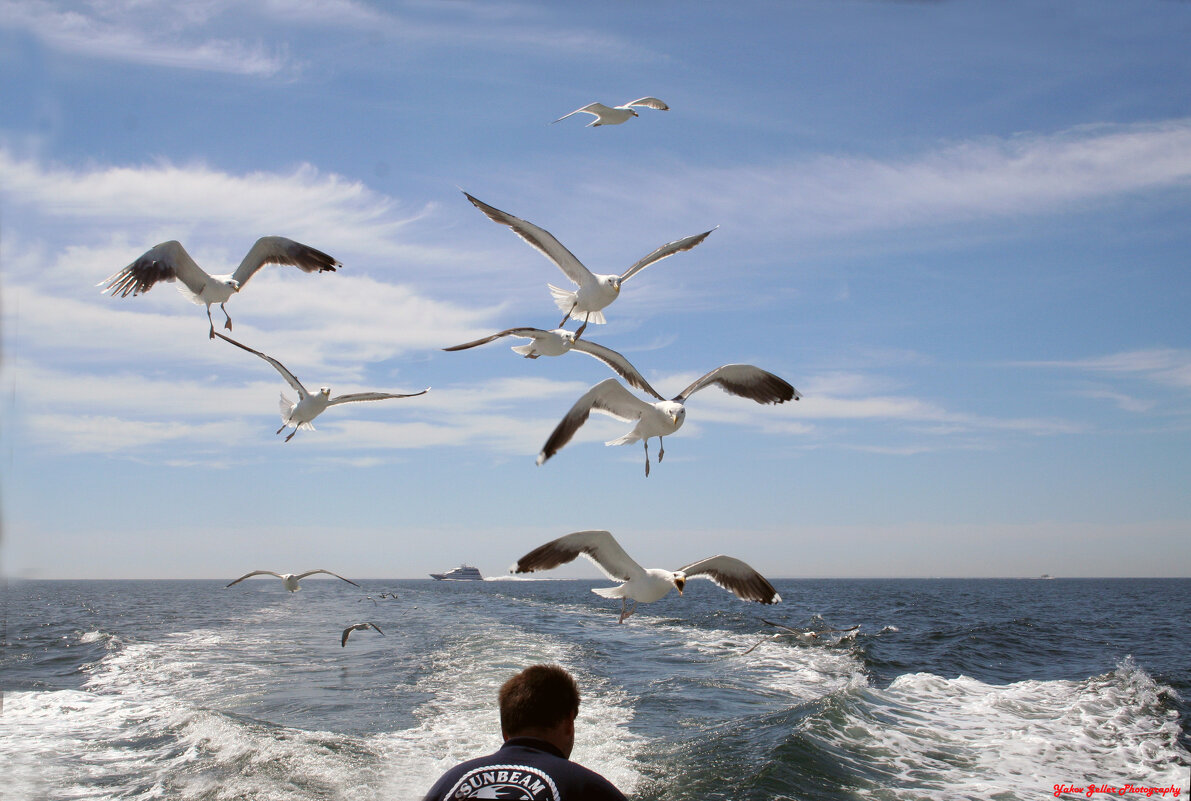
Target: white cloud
<point x="325" y="210"/>
<point x="838" y="195"/>
<point x="153" y="33"/>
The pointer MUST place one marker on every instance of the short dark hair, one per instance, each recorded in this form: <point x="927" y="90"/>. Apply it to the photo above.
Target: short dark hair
<point x="539" y="697"/>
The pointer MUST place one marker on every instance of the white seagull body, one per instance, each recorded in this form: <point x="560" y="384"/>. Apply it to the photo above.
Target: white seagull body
<point x="357" y="627"/>
<point x="594" y="291"/>
<point x="664" y="417"/>
<point x="560" y="341"/>
<point x="645" y="585"/>
<point x="311" y="405"/>
<point x="614" y="115"/>
<point x="169" y="261"/>
<point x="290" y="580"/>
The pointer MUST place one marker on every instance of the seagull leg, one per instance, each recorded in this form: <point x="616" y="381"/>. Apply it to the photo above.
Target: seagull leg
<point x="631" y="611"/>
<point x="228" y="323"/>
<point x="661" y="449"/>
<point x="583" y="327"/>
<point x="646" y="442"/>
<point x="567" y="316"/>
<point x="291" y="434"/>
<point x="212" y="334"/>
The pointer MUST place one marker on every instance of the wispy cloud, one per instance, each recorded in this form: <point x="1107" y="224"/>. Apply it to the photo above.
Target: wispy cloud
<point x="154" y="33"/>
<point x="303" y="202"/>
<point x="980" y="179"/>
<point x="207" y="36"/>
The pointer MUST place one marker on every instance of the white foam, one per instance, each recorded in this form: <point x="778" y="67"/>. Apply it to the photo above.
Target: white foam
<point x="928" y="737"/>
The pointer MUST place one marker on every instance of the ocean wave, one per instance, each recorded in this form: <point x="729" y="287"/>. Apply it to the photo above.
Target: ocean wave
<point x="928" y="737"/>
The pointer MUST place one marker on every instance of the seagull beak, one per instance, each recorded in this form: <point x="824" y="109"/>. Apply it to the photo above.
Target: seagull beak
<point x="680" y="583"/>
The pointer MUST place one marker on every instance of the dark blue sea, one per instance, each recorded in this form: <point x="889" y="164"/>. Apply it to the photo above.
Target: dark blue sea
<point x="949" y="689"/>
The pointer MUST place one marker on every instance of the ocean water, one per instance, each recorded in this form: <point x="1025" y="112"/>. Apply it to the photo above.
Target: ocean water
<point x="950" y="689"/>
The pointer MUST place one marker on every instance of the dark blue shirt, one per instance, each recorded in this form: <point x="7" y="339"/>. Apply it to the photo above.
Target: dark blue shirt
<point x="526" y="769"/>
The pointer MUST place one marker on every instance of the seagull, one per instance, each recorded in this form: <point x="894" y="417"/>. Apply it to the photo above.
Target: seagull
<point x="357" y="627"/>
<point x="169" y="261"/>
<point x="640" y="584"/>
<point x="595" y="291"/>
<point x="614" y="115"/>
<point x="289" y="579"/>
<point x="558" y="342"/>
<point x="300" y="414"/>
<point x="665" y="416"/>
<point x="786" y="631"/>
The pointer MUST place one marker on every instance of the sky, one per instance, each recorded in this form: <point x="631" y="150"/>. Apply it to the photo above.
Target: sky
<point x="960" y="229"/>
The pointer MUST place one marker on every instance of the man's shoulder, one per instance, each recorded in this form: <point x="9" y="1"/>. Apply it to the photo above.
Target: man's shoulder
<point x="525" y="773"/>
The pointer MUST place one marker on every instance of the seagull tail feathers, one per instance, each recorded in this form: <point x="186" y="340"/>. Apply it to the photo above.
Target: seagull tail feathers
<point x="287" y="407"/>
<point x="524" y="350"/>
<point x="609" y="592"/>
<point x="627" y="439"/>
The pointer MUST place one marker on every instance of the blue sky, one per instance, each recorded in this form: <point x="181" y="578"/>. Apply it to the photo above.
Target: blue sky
<point x="960" y="229"/>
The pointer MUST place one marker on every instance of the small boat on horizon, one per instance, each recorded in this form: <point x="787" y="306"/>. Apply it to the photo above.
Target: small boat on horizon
<point x="461" y="573"/>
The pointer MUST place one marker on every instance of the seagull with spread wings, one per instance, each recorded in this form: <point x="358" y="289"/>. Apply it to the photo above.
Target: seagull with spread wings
<point x="802" y="634"/>
<point x="595" y="291"/>
<point x="558" y="342"/>
<point x="169" y="261"/>
<point x="664" y="417"/>
<point x="640" y="584"/>
<point x="614" y="115"/>
<point x="357" y="627"/>
<point x="309" y="406"/>
<point x="290" y="580"/>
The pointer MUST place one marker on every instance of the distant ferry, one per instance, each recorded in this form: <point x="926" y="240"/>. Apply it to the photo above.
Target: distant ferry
<point x="461" y="573"/>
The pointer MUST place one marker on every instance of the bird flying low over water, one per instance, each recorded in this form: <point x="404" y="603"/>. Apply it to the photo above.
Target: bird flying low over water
<point x="558" y="342"/>
<point x="643" y="585"/>
<point x="664" y="417"/>
<point x="169" y="261"/>
<point x="614" y="115"/>
<point x="357" y="627"/>
<point x="802" y="634"/>
<point x="291" y="580"/>
<point x="594" y="291"/>
<point x="310" y="406"/>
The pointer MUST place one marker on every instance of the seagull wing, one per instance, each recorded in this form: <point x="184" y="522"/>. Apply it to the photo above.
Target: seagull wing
<point x="357" y="627"/>
<point x="301" y="576"/>
<point x="598" y="546"/>
<point x="735" y="576"/>
<point x="290" y="378"/>
<point x="255" y="573"/>
<point x="783" y="627"/>
<point x="372" y="396"/>
<point x="618" y="363"/>
<point x="648" y="102"/>
<point x="669" y="249"/>
<point x="508" y="332"/>
<point x="590" y="108"/>
<point x="168" y="261"/>
<point x="609" y="397"/>
<point x="747" y="382"/>
<point x="279" y="250"/>
<point x="540" y="239"/>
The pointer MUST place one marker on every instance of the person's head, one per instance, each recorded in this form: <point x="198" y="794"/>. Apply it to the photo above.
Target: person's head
<point x="541" y="701"/>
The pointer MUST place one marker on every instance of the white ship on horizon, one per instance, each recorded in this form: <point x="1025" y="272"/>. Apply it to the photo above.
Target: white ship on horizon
<point x="461" y="573"/>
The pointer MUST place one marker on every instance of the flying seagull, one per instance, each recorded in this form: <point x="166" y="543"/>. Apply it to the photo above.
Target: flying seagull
<point x="640" y="584"/>
<point x="594" y="291"/>
<point x="558" y="342"/>
<point x="291" y="580"/>
<point x="665" y="416"/>
<point x="357" y="627"/>
<point x="308" y="407"/>
<point x="788" y="631"/>
<point x="169" y="261"/>
<point x="614" y="115"/>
